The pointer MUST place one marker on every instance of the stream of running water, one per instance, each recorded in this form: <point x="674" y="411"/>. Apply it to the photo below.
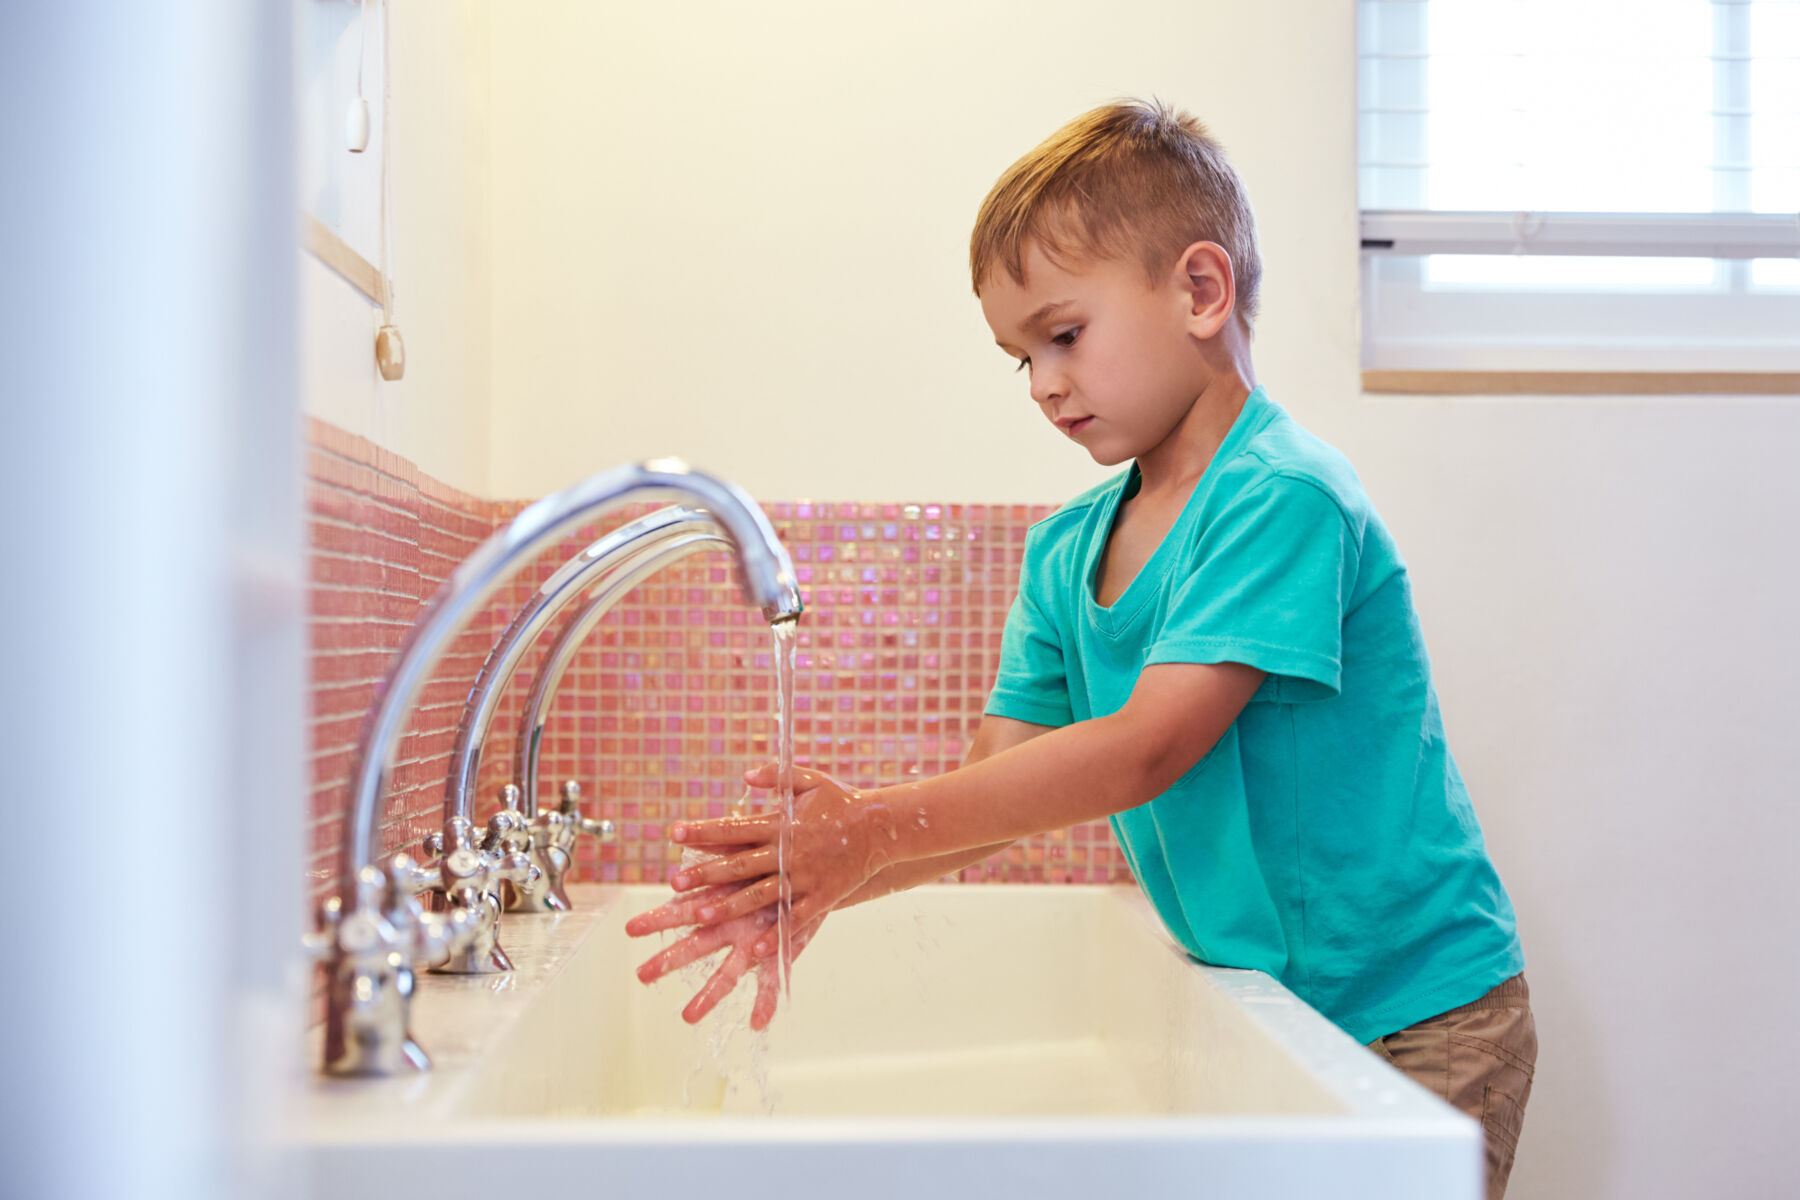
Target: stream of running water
<point x="785" y="634"/>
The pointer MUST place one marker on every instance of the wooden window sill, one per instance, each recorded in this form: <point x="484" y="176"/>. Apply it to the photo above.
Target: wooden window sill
<point x="1583" y="383"/>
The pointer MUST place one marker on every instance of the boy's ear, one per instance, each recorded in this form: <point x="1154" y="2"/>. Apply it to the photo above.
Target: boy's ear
<point x="1204" y="272"/>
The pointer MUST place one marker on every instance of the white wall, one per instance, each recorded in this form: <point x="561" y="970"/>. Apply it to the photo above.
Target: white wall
<point x="438" y="224"/>
<point x="738" y="233"/>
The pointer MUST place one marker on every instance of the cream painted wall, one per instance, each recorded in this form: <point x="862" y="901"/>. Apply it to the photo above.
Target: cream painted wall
<point x="439" y="226"/>
<point x="737" y="233"/>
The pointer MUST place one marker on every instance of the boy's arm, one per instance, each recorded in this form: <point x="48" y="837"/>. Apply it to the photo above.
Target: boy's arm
<point x="1080" y="772"/>
<point x="994" y="735"/>
<point x="1091" y="769"/>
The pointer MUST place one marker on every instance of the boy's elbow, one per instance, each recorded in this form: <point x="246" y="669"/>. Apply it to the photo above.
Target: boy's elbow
<point x="1153" y="756"/>
<point x="1177" y="714"/>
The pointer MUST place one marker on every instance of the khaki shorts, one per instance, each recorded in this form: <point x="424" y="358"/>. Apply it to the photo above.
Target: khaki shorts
<point x="1480" y="1058"/>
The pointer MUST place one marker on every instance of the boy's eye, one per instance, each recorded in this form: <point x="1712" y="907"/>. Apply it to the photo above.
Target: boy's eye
<point x="1064" y="339"/>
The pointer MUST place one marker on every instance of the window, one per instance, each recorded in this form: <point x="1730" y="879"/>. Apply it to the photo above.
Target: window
<point x="1581" y="186"/>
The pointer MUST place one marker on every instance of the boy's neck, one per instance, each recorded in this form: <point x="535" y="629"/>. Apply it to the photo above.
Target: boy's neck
<point x="1172" y="468"/>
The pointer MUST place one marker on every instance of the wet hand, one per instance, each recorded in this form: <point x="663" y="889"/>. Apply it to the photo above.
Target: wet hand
<point x="838" y="840"/>
<point x="740" y="934"/>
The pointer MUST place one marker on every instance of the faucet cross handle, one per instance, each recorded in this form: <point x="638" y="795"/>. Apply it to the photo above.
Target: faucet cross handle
<point x="510" y="834"/>
<point x="553" y="836"/>
<point x="371" y="952"/>
<point x="429" y="937"/>
<point x="321" y="942"/>
<point x="507" y="830"/>
<point x="457" y="858"/>
<point x="470" y="874"/>
<point x="571" y="811"/>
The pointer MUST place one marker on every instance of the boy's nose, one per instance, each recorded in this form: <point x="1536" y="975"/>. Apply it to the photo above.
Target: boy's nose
<point x="1046" y="385"/>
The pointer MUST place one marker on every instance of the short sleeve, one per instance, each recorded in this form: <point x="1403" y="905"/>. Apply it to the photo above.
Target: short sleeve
<point x="1033" y="683"/>
<point x="1269" y="586"/>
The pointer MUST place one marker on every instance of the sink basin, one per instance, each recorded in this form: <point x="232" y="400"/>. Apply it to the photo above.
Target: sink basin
<point x="1034" y="1038"/>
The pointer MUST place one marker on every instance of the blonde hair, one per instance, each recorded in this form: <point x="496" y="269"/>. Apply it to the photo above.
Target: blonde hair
<point x="1130" y="179"/>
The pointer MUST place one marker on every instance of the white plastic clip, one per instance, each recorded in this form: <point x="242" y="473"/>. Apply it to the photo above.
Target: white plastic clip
<point x="1526" y="226"/>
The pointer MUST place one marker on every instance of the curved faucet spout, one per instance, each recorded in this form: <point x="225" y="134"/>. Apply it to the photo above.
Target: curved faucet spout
<point x="677" y="541"/>
<point x="768" y="580"/>
<point x="588" y="569"/>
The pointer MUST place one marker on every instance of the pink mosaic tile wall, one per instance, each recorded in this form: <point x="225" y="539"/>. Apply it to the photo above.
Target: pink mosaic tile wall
<point x="673" y="696"/>
<point x="382" y="538"/>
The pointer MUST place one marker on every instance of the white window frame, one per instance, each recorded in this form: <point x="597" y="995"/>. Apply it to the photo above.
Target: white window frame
<point x="1726" y="325"/>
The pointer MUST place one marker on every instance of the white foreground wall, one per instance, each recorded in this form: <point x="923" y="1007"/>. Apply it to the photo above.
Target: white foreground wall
<point x="152" y="601"/>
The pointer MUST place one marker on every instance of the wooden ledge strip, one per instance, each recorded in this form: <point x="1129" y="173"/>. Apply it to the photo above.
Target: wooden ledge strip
<point x="336" y="253"/>
<point x="1583" y="383"/>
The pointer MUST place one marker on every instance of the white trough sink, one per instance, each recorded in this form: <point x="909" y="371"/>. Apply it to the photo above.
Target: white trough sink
<point x="1029" y="1039"/>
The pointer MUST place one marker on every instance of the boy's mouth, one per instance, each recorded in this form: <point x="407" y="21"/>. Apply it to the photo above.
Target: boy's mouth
<point x="1072" y="425"/>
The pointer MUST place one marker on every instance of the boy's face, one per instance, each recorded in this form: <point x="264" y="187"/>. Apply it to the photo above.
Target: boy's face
<point x="1111" y="358"/>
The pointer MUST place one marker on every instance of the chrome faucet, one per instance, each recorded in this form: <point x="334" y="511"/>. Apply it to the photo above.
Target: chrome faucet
<point x="373" y="949"/>
<point x="553" y="836"/>
<point x="371" y="967"/>
<point x="469" y="871"/>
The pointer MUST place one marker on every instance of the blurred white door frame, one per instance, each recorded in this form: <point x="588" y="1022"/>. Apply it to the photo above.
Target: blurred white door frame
<point x="152" y="613"/>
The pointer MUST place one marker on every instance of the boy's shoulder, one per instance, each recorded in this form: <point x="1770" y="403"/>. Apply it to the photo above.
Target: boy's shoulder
<point x="1285" y="454"/>
<point x="1076" y="506"/>
<point x="1063" y="528"/>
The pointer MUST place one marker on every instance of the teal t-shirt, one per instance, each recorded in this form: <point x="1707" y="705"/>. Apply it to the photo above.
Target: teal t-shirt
<point x="1327" y="838"/>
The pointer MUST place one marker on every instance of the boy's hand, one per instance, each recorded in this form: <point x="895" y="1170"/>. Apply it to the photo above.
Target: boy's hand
<point x="740" y="933"/>
<point x="837" y="842"/>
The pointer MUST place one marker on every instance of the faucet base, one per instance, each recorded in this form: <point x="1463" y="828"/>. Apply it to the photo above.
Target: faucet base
<point x="491" y="961"/>
<point x="547" y="893"/>
<point x="370" y="1063"/>
<point x="545" y="902"/>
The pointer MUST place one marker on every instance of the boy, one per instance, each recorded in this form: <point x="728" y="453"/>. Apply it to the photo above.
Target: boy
<point x="1217" y="649"/>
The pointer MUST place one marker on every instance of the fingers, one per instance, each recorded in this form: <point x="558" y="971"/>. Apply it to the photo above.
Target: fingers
<point x="728" y="831"/>
<point x="683" y="910"/>
<point x="730" y="868"/>
<point x="803" y="921"/>
<point x="768" y="995"/>
<point x="764" y="892"/>
<point x="808" y="911"/>
<point x="739" y="936"/>
<point x="769" y="775"/>
<point x="719" y="986"/>
<point x="799" y="934"/>
<point x="692" y="948"/>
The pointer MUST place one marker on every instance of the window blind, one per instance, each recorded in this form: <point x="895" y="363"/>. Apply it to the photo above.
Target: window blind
<point x="1633" y="147"/>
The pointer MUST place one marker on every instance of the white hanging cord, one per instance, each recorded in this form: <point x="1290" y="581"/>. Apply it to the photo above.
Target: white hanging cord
<point x="362" y="42"/>
<point x="387" y="103"/>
